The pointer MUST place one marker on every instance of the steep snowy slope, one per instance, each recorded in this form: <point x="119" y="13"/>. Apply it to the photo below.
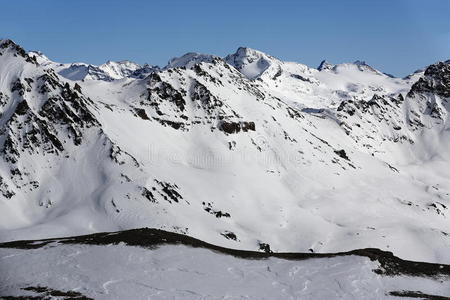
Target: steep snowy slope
<point x="153" y="264"/>
<point x="242" y="152"/>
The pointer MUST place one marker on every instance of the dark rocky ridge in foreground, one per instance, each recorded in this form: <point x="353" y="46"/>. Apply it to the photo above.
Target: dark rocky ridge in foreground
<point x="151" y="238"/>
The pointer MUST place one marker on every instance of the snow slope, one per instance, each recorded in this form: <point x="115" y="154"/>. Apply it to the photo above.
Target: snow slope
<point x="113" y="266"/>
<point x="240" y="152"/>
<point x="109" y="71"/>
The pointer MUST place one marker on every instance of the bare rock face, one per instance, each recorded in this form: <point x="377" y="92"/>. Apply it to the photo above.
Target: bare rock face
<point x="436" y="80"/>
<point x="64" y="110"/>
<point x="235" y="127"/>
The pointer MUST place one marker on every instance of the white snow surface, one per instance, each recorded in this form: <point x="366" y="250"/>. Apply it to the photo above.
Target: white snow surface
<point x="188" y="60"/>
<point x="181" y="272"/>
<point x="109" y="71"/>
<point x="163" y="152"/>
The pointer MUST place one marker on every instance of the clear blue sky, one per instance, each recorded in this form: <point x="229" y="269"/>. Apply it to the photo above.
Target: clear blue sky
<point x="395" y="36"/>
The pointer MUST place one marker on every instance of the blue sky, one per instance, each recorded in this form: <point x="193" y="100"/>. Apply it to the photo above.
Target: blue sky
<point x="395" y="36"/>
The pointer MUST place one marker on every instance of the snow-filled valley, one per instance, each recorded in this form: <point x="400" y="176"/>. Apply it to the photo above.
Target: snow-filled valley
<point x="245" y="152"/>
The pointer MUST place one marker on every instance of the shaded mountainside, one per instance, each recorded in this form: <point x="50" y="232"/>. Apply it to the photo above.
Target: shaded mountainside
<point x="240" y="151"/>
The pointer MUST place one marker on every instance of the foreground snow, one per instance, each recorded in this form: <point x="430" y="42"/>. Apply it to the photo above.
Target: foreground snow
<point x="169" y="267"/>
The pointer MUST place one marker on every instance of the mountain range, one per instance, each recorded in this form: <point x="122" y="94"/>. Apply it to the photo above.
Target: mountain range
<point x="245" y="151"/>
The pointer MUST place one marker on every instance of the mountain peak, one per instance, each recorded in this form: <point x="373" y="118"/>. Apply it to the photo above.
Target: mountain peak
<point x="119" y="69"/>
<point x="189" y="59"/>
<point x="122" y="62"/>
<point x="249" y="53"/>
<point x="363" y="66"/>
<point x="41" y="58"/>
<point x="10" y="44"/>
<point x="325" y="65"/>
<point x="246" y="51"/>
<point x="6" y="43"/>
<point x="360" y="63"/>
<point x="250" y="62"/>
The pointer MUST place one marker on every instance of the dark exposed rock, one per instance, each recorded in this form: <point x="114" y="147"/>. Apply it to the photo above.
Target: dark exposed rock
<point x="392" y="168"/>
<point x="296" y="76"/>
<point x="120" y="156"/>
<point x="169" y="191"/>
<point x="278" y="74"/>
<point x="3" y="99"/>
<point x="19" y="87"/>
<point x="346" y="106"/>
<point x="10" y="44"/>
<point x="436" y="80"/>
<point x="70" y="110"/>
<point x="173" y="124"/>
<point x="198" y="70"/>
<point x="4" y="189"/>
<point x="49" y="82"/>
<point x="161" y="90"/>
<point x="417" y="294"/>
<point x="141" y="113"/>
<point x="264" y="247"/>
<point x="294" y="114"/>
<point x="143" y="72"/>
<point x="45" y="293"/>
<point x="229" y="235"/>
<point x="77" y="88"/>
<point x="17" y="51"/>
<point x="22" y="108"/>
<point x="217" y="213"/>
<point x="29" y="81"/>
<point x="235" y="127"/>
<point x="324" y="65"/>
<point x="149" y="195"/>
<point x="230" y="127"/>
<point x="434" y="110"/>
<point x="207" y="101"/>
<point x="341" y="153"/>
<point x="37" y="134"/>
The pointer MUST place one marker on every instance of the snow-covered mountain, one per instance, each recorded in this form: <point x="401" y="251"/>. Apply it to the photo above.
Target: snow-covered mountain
<point x="245" y="151"/>
<point x="109" y="71"/>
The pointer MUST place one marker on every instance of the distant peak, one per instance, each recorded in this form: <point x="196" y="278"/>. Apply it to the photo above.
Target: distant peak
<point x="360" y="63"/>
<point x="249" y="51"/>
<point x="8" y="43"/>
<point x="246" y="52"/>
<point x="121" y="62"/>
<point x="250" y="62"/>
<point x="325" y="65"/>
<point x="363" y="66"/>
<point x="189" y="59"/>
<point x="40" y="57"/>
